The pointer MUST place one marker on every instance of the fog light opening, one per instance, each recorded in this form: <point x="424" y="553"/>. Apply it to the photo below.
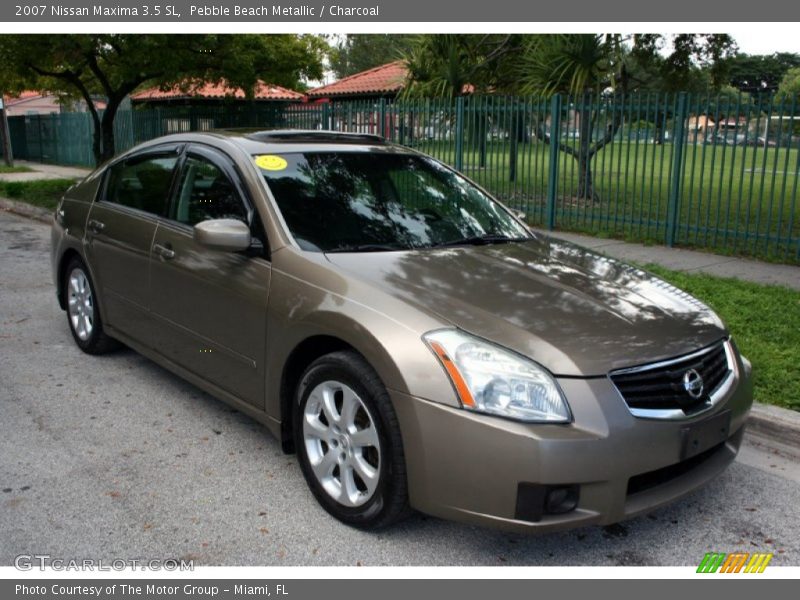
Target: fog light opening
<point x="535" y="500"/>
<point x="561" y="499"/>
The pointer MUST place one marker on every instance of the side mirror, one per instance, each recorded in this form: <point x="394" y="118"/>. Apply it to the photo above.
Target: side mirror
<point x="223" y="234"/>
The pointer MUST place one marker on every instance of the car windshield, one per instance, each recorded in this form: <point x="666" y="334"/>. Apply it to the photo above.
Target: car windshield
<point x="370" y="201"/>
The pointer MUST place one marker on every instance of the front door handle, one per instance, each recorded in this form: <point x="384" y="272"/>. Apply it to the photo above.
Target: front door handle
<point x="164" y="251"/>
<point x="96" y="226"/>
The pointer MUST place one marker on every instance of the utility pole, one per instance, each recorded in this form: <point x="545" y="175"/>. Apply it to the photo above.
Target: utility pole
<point x="8" y="157"/>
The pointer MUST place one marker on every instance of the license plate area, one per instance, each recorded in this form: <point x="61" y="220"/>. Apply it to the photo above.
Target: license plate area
<point x="699" y="437"/>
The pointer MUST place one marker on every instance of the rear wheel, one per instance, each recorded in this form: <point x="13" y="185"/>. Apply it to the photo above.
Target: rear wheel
<point x="83" y="315"/>
<point x="349" y="443"/>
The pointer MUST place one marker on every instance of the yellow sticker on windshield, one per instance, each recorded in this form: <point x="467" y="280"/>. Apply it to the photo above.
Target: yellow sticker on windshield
<point x="270" y="162"/>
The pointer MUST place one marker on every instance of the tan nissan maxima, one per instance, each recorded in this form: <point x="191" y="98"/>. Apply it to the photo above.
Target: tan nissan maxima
<point x="405" y="334"/>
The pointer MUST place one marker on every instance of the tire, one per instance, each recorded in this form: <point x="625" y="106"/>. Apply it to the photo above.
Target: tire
<point x="83" y="314"/>
<point x="349" y="448"/>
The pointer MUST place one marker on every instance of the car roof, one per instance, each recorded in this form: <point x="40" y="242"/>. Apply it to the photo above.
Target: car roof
<point x="305" y="136"/>
<point x="254" y="141"/>
<point x="265" y="141"/>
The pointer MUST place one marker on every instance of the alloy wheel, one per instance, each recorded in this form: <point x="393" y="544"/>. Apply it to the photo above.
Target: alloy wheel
<point x="342" y="443"/>
<point x="80" y="304"/>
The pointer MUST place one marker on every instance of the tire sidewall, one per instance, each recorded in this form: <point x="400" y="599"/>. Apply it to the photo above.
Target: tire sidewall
<point x="371" y="512"/>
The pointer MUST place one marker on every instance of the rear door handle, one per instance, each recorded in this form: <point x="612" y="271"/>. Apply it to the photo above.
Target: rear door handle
<point x="163" y="251"/>
<point x="96" y="226"/>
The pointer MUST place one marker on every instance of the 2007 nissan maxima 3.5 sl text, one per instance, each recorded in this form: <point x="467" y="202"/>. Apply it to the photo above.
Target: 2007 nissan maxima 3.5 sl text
<point x="405" y="334"/>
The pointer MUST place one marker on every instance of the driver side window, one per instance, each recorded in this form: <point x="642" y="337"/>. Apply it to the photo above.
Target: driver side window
<point x="206" y="192"/>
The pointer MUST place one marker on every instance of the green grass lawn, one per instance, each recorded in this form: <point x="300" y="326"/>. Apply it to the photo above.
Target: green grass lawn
<point x="734" y="199"/>
<point x="42" y="192"/>
<point x="765" y="322"/>
<point x="18" y="169"/>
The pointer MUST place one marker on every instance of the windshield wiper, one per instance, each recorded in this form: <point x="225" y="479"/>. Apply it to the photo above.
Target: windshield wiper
<point x="481" y="240"/>
<point x="368" y="248"/>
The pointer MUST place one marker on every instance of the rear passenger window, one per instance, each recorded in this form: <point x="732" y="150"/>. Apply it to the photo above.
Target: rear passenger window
<point x="206" y="193"/>
<point x="142" y="183"/>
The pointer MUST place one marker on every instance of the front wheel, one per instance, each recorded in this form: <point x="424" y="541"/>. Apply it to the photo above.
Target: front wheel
<point x="349" y="443"/>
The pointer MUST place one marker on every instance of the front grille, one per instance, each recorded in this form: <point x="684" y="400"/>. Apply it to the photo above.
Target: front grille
<point x="661" y="386"/>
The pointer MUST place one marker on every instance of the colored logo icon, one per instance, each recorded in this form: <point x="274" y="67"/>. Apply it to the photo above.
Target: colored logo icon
<point x="737" y="562"/>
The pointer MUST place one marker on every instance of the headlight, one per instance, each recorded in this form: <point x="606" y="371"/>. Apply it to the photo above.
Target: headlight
<point x="492" y="380"/>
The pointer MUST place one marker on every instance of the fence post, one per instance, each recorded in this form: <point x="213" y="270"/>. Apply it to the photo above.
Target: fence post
<point x="675" y="187"/>
<point x="382" y="113"/>
<point x="326" y="117"/>
<point x="552" y="179"/>
<point x="459" y="159"/>
<point x="41" y="138"/>
<point x="513" y="140"/>
<point x="399" y="111"/>
<point x="159" y="124"/>
<point x="482" y="117"/>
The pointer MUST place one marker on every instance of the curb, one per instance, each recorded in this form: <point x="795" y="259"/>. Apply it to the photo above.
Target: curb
<point x="27" y="210"/>
<point x="775" y="424"/>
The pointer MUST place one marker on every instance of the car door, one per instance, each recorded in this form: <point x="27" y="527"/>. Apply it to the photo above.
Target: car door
<point x="120" y="228"/>
<point x="212" y="303"/>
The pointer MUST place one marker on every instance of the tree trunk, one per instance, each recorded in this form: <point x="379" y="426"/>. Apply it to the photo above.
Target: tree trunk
<point x="585" y="150"/>
<point x="584" y="155"/>
<point x="108" y="143"/>
<point x="585" y="185"/>
<point x="658" y="136"/>
<point x="97" y="138"/>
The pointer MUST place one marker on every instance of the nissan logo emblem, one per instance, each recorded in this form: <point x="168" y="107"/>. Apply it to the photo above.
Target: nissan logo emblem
<point x="693" y="383"/>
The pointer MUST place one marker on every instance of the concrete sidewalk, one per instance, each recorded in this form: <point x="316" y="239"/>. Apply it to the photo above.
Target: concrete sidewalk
<point x="690" y="261"/>
<point x="42" y="171"/>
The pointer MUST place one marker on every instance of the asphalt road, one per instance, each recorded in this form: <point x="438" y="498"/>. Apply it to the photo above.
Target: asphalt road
<point x="114" y="457"/>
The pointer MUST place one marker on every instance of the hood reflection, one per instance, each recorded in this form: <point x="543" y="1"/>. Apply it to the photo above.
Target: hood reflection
<point x="574" y="311"/>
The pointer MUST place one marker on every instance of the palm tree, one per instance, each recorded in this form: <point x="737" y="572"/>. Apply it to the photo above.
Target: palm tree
<point x="438" y="66"/>
<point x="585" y="67"/>
<point x="451" y="65"/>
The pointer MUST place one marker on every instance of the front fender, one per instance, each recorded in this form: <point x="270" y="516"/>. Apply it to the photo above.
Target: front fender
<point x="322" y="302"/>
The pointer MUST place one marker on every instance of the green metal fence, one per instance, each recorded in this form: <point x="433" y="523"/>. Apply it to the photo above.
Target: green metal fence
<point x="66" y="138"/>
<point x="704" y="171"/>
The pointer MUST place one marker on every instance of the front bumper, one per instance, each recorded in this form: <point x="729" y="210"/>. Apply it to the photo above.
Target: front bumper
<point x="468" y="467"/>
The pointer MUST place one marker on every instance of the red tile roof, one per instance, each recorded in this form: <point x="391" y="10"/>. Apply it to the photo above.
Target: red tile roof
<point x="42" y="99"/>
<point x="13" y="99"/>
<point x="385" y="79"/>
<point x="263" y="91"/>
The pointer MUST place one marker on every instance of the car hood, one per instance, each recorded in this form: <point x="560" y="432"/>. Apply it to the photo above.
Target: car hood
<point x="575" y="312"/>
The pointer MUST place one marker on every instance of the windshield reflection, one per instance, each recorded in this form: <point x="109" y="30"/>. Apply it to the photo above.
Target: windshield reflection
<point x="359" y="201"/>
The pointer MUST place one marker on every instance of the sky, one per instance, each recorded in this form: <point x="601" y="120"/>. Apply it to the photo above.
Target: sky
<point x="760" y="42"/>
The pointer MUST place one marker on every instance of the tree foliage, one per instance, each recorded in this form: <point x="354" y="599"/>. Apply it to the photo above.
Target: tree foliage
<point x="450" y="65"/>
<point x="789" y="88"/>
<point x="112" y="66"/>
<point x="508" y="63"/>
<point x="574" y="64"/>
<point x="682" y="62"/>
<point x="755" y="74"/>
<point x="359" y="52"/>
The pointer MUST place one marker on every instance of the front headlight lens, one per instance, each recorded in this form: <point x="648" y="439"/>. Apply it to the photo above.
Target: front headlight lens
<point x="492" y="380"/>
